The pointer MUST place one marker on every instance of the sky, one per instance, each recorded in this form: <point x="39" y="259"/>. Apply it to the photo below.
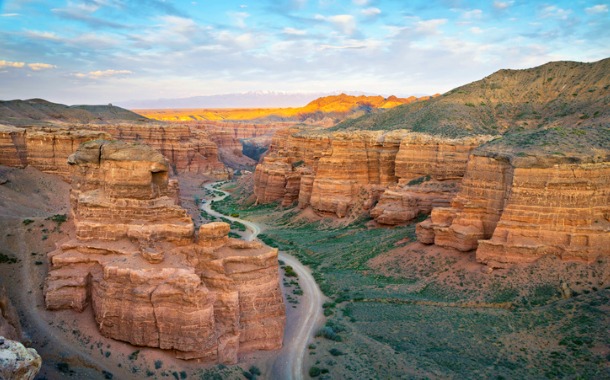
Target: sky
<point x="102" y="51"/>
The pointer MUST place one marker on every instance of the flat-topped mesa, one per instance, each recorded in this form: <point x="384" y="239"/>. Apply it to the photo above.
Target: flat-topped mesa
<point x="151" y="281"/>
<point x="518" y="208"/>
<point x="187" y="149"/>
<point x="429" y="170"/>
<point x="44" y="148"/>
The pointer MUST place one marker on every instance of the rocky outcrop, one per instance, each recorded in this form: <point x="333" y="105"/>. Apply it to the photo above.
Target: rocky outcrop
<point x="409" y="173"/>
<point x="47" y="148"/>
<point x="292" y="155"/>
<point x="518" y="209"/>
<point x="429" y="170"/>
<point x="358" y="169"/>
<point x="44" y="148"/>
<point x="150" y="279"/>
<point x="187" y="149"/>
<point x="18" y="362"/>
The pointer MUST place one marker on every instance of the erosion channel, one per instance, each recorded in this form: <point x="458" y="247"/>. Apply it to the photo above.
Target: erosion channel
<point x="300" y="328"/>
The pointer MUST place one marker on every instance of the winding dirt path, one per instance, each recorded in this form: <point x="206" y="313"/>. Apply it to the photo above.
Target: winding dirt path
<point x="289" y="362"/>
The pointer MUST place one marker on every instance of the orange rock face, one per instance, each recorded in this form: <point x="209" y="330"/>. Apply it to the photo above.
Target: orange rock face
<point x="340" y="172"/>
<point x="150" y="281"/>
<point x="429" y="172"/>
<point x="45" y="148"/>
<point x="512" y="210"/>
<point x="291" y="156"/>
<point x="188" y="150"/>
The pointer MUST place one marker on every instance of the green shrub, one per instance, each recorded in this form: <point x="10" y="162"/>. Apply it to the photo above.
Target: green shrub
<point x="27" y="221"/>
<point x="290" y="271"/>
<point x="314" y="371"/>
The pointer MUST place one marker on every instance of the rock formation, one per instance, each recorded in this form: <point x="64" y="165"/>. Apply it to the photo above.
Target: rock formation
<point x="44" y="148"/>
<point x="18" y="362"/>
<point x="409" y="173"/>
<point x="187" y="149"/>
<point x="149" y="279"/>
<point x="518" y="208"/>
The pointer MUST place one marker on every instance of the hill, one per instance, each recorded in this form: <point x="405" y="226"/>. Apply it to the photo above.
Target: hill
<point x="329" y="106"/>
<point x="554" y="95"/>
<point x="40" y="112"/>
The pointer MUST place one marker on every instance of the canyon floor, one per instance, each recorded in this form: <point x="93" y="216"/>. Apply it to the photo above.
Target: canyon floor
<point x="394" y="309"/>
<point x="400" y="309"/>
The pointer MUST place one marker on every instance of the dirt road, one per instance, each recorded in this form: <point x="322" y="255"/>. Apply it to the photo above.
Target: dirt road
<point x="299" y="329"/>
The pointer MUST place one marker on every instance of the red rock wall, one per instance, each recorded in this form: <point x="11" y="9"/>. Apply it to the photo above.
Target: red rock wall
<point x="149" y="280"/>
<point x="563" y="211"/>
<point x="511" y="211"/>
<point x="46" y="149"/>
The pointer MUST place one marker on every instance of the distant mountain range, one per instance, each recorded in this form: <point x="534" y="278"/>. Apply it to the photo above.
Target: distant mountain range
<point x="257" y="99"/>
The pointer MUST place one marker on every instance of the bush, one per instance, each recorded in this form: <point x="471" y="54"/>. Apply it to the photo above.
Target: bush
<point x="7" y="259"/>
<point x="255" y="370"/>
<point x="134" y="355"/>
<point x="329" y="333"/>
<point x="336" y="352"/>
<point x="158" y="364"/>
<point x="290" y="271"/>
<point x="314" y="371"/>
<point x="27" y="221"/>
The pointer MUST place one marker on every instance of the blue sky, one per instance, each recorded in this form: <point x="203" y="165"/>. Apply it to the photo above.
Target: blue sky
<point x="100" y="51"/>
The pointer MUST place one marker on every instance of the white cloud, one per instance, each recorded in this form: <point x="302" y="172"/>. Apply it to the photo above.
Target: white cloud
<point x="102" y="74"/>
<point x="552" y="11"/>
<point x="371" y="12"/>
<point x="361" y="2"/>
<point x="32" y="66"/>
<point x="473" y="14"/>
<point x="294" y="32"/>
<point x="344" y="23"/>
<point x="42" y="35"/>
<point x="600" y="8"/>
<point x="9" y="14"/>
<point x="502" y="4"/>
<point x="16" y="65"/>
<point x="239" y="18"/>
<point x="40" y="66"/>
<point x="430" y="26"/>
<point x="476" y="30"/>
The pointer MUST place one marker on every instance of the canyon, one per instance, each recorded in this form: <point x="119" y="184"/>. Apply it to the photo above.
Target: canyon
<point x="512" y="192"/>
<point x="150" y="279"/>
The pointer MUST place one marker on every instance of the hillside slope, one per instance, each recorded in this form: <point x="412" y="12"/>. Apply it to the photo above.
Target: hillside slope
<point x="39" y="111"/>
<point x="556" y="94"/>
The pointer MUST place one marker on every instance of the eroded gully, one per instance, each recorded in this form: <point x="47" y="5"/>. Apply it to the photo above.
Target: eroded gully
<point x="289" y="361"/>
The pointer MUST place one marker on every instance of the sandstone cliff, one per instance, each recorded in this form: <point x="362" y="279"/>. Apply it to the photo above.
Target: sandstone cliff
<point x="45" y="148"/>
<point x="518" y="203"/>
<point x="150" y="279"/>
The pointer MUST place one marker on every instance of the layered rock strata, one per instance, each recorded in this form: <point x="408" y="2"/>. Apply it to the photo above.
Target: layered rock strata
<point x="47" y="148"/>
<point x="337" y="173"/>
<point x="149" y="278"/>
<point x="44" y="148"/>
<point x="518" y="209"/>
<point x="188" y="150"/>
